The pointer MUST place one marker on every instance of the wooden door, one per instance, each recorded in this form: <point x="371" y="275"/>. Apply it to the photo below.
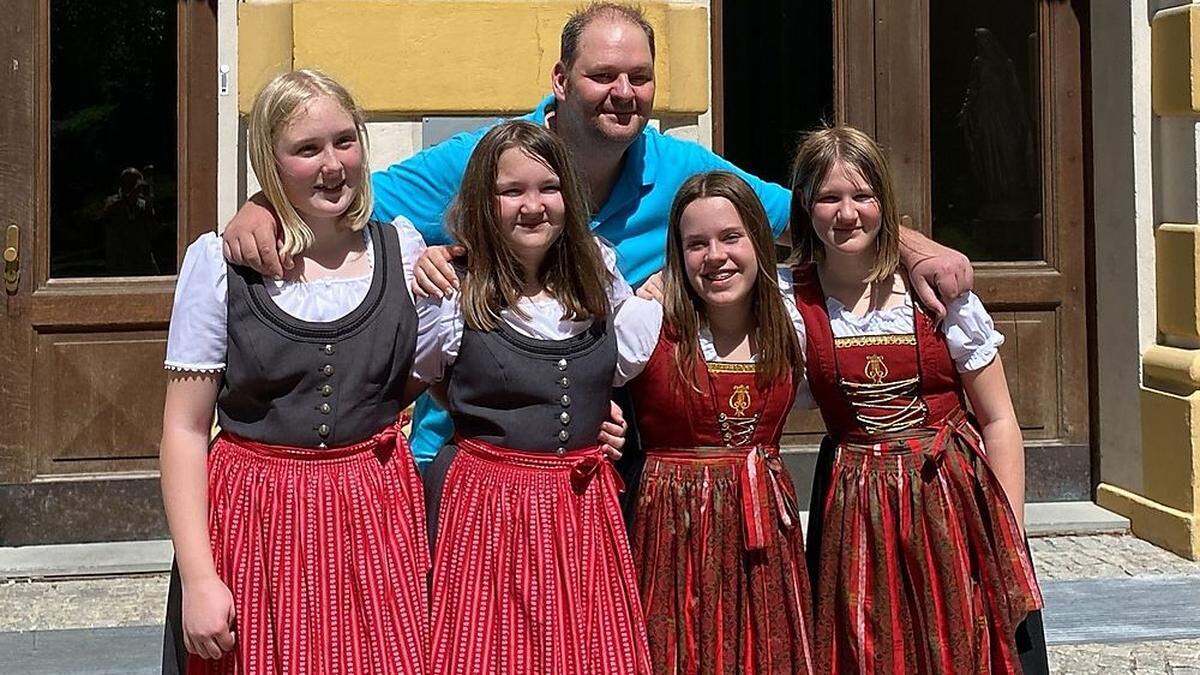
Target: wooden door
<point x="108" y="167"/>
<point x="979" y="106"/>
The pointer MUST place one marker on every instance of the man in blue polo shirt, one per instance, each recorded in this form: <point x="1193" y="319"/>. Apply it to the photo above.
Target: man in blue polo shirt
<point x="603" y="97"/>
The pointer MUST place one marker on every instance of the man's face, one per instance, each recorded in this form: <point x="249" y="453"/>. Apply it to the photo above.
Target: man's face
<point x="610" y="87"/>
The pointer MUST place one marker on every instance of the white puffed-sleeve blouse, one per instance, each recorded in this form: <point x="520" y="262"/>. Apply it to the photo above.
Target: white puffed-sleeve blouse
<point x="196" y="338"/>
<point x="970" y="333"/>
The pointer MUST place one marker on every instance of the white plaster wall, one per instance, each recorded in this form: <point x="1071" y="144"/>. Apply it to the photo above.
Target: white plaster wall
<point x="1123" y="200"/>
<point x="228" y="163"/>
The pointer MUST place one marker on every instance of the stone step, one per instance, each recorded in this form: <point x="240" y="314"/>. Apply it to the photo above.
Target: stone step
<point x="142" y="557"/>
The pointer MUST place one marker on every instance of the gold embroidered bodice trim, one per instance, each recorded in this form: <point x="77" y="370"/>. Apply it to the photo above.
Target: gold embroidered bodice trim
<point x="906" y="339"/>
<point x="737" y="431"/>
<point x="730" y="367"/>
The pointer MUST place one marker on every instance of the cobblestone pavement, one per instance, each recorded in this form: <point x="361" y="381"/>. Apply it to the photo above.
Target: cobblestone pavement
<point x="1109" y="556"/>
<point x="1105" y="556"/>
<point x="139" y="601"/>
<point x="1176" y="657"/>
<point x="82" y="603"/>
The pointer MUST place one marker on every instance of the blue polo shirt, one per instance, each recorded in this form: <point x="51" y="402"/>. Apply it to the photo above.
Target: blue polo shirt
<point x="633" y="220"/>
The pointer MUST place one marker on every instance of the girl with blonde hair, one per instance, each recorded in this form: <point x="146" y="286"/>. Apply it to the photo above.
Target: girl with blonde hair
<point x="299" y="530"/>
<point x="916" y="526"/>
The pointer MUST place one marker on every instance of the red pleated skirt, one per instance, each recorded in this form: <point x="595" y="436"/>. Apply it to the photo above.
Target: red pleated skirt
<point x="532" y="571"/>
<point x="326" y="555"/>
<point x="721" y="566"/>
<point x="922" y="566"/>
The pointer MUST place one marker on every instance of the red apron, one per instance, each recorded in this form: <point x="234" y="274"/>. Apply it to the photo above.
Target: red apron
<point x="717" y="536"/>
<point x="922" y="568"/>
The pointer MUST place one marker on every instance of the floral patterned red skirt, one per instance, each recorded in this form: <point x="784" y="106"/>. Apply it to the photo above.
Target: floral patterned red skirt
<point x="922" y="567"/>
<point x="721" y="567"/>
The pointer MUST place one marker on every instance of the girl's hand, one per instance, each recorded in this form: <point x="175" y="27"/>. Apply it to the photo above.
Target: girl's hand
<point x="434" y="275"/>
<point x="612" y="432"/>
<point x="208" y="618"/>
<point x="653" y="288"/>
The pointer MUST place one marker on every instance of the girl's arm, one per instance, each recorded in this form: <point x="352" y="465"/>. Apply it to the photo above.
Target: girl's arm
<point x="207" y="603"/>
<point x="988" y="391"/>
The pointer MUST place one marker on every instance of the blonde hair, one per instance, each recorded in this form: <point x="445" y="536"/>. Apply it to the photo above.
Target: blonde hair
<point x="818" y="152"/>
<point x="779" y="351"/>
<point x="274" y="107"/>
<point x="573" y="270"/>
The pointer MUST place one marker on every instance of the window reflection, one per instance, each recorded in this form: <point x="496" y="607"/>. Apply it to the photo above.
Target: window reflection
<point x="112" y="138"/>
<point x="984" y="132"/>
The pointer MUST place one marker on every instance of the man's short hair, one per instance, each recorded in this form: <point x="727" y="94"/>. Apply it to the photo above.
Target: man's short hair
<point x="584" y="16"/>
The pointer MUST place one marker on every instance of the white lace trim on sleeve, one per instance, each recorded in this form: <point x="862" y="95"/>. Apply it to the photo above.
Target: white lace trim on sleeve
<point x="196" y="339"/>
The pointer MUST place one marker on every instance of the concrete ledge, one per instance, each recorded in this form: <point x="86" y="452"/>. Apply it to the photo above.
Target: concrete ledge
<point x="154" y="556"/>
<point x="1158" y="524"/>
<point x="1047" y="519"/>
<point x="86" y="560"/>
<point x="426" y="57"/>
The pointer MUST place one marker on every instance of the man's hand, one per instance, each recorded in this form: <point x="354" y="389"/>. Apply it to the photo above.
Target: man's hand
<point x="937" y="274"/>
<point x="251" y="239"/>
<point x="434" y="276"/>
<point x="208" y="618"/>
<point x="653" y="288"/>
<point x="612" y="432"/>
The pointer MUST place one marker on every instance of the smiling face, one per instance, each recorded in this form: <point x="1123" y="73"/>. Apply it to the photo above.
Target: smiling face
<point x="320" y="159"/>
<point x="718" y="254"/>
<point x="609" y="89"/>
<point x="846" y="213"/>
<point x="529" y="204"/>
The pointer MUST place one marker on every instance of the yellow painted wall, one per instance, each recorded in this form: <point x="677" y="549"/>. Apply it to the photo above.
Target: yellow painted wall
<point x="1177" y="248"/>
<point x="1175" y="61"/>
<point x="434" y="56"/>
<point x="1166" y="508"/>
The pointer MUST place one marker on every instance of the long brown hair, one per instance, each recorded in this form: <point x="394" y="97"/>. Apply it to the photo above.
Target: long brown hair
<point x="818" y="152"/>
<point x="573" y="270"/>
<point x="778" y="350"/>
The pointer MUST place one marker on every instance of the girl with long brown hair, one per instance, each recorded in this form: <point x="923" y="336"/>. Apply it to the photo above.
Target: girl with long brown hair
<point x="916" y="525"/>
<point x="532" y="571"/>
<point x="713" y="372"/>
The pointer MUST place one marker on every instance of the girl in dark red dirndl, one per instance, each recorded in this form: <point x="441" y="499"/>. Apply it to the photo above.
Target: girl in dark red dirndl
<point x="532" y="571"/>
<point x="299" y="531"/>
<point x="922" y="563"/>
<point x="717" y="537"/>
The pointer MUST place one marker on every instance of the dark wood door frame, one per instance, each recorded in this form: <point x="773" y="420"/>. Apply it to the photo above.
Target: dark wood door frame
<point x="881" y="65"/>
<point x="89" y="502"/>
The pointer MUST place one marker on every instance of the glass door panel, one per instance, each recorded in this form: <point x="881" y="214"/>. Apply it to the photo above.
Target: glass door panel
<point x="112" y="138"/>
<point x="984" y="129"/>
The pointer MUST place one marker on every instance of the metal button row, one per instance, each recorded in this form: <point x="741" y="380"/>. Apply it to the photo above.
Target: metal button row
<point x="325" y="390"/>
<point x="564" y="417"/>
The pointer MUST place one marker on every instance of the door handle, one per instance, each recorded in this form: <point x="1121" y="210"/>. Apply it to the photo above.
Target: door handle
<point x="12" y="259"/>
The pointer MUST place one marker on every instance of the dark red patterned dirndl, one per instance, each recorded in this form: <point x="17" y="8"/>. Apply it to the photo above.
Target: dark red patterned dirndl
<point x="717" y="537"/>
<point x="325" y="553"/>
<point x="922" y="567"/>
<point x="532" y="571"/>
